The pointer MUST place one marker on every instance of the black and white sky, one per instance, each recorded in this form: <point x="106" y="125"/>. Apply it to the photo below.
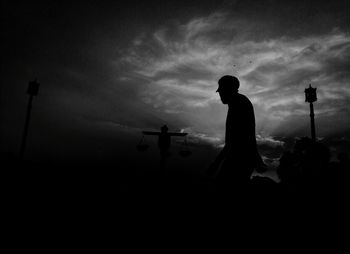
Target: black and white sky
<point x="109" y="69"/>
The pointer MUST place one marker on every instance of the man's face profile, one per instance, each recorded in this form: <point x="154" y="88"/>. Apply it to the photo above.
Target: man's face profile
<point x="224" y="96"/>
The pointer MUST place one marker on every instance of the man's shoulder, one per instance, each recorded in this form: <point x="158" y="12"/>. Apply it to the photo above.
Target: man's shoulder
<point x="242" y="98"/>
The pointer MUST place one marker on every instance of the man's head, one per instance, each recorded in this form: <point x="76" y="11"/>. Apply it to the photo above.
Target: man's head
<point x="228" y="86"/>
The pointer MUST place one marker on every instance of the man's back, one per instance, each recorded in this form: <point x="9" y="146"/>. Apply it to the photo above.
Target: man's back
<point x="240" y="129"/>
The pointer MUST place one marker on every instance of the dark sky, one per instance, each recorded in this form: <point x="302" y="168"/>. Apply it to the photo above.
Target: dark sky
<point x="109" y="69"/>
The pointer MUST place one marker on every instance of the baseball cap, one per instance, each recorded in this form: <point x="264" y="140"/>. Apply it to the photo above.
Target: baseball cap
<point x="227" y="83"/>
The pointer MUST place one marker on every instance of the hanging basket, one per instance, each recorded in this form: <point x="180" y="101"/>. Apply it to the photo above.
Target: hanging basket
<point x="185" y="152"/>
<point x="142" y="146"/>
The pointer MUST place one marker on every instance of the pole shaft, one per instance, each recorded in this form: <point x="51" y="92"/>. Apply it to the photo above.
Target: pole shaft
<point x="26" y="126"/>
<point x="162" y="160"/>
<point x="312" y="115"/>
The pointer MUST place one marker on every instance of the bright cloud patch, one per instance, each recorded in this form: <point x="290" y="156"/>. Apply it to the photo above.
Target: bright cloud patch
<point x="180" y="64"/>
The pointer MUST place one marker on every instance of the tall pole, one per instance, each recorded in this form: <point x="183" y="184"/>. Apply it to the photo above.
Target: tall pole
<point x="312" y="117"/>
<point x="310" y="97"/>
<point x="26" y="127"/>
<point x="33" y="89"/>
<point x="162" y="161"/>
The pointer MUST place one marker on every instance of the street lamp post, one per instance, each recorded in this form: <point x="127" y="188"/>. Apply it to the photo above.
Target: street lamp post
<point x="310" y="97"/>
<point x="33" y="89"/>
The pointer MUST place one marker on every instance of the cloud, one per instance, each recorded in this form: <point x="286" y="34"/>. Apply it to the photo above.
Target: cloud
<point x="269" y="141"/>
<point x="181" y="63"/>
<point x="196" y="138"/>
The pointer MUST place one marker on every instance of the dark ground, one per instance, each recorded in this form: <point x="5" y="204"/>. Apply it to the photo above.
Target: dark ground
<point x="59" y="204"/>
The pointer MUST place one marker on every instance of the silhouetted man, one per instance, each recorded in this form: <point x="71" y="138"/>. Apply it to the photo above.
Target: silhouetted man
<point x="240" y="156"/>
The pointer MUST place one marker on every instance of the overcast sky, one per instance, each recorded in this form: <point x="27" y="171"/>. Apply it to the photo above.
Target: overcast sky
<point x="109" y="69"/>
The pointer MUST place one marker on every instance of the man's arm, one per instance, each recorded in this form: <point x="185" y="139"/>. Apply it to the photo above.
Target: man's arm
<point x="260" y="167"/>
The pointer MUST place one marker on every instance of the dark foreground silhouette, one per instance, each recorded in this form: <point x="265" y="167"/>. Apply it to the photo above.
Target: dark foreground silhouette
<point x="306" y="175"/>
<point x="70" y="199"/>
